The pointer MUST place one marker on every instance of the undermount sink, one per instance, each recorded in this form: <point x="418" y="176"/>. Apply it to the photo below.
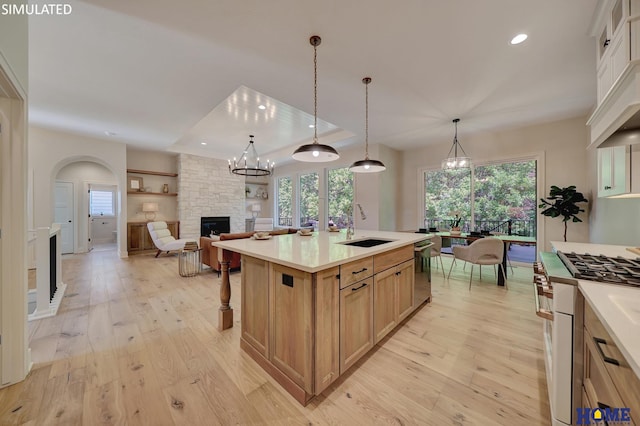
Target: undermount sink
<point x="367" y="242"/>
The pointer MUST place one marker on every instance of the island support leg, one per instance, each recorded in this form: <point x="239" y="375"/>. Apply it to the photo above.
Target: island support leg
<point x="225" y="312"/>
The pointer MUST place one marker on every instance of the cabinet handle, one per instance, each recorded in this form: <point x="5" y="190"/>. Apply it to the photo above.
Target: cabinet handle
<point x="358" y="288"/>
<point x="603" y="407"/>
<point x="357" y="272"/>
<point x="599" y="341"/>
<point x="607" y="187"/>
<point x="606" y="42"/>
<point x="398" y="273"/>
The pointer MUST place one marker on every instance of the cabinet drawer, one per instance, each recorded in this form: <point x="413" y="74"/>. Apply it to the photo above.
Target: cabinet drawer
<point x="355" y="271"/>
<point x="391" y="258"/>
<point x="621" y="375"/>
<point x="597" y="383"/>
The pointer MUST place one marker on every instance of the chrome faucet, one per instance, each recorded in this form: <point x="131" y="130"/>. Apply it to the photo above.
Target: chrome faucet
<point x="351" y="225"/>
<point x="350" y="230"/>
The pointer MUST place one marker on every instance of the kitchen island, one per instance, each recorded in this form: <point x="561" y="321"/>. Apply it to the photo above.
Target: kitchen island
<point x="313" y="305"/>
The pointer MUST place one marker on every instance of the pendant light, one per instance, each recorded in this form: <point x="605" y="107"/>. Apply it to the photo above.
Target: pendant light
<point x="249" y="163"/>
<point x="367" y="165"/>
<point x="315" y="152"/>
<point x="456" y="162"/>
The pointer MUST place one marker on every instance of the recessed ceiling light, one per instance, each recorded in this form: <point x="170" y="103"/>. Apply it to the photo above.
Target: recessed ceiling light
<point x="311" y="126"/>
<point x="108" y="133"/>
<point x="519" y="39"/>
<point x="262" y="107"/>
<point x="203" y="143"/>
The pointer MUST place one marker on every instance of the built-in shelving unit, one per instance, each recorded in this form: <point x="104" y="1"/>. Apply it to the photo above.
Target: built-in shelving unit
<point x="152" y="173"/>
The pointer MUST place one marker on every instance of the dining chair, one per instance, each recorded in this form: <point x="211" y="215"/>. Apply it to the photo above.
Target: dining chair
<point x="436" y="250"/>
<point x="263" y="224"/>
<point x="484" y="251"/>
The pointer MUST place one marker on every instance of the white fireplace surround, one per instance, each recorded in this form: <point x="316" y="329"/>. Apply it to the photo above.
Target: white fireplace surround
<point x="206" y="188"/>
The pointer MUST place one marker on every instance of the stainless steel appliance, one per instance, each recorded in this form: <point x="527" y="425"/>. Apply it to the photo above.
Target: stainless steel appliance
<point x="422" y="271"/>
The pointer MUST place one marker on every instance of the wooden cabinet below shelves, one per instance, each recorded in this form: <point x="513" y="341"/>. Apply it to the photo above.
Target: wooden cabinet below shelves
<point x="138" y="238"/>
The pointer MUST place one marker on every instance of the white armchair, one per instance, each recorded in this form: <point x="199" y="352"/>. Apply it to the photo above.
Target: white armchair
<point x="263" y="224"/>
<point x="162" y="238"/>
<point x="483" y="251"/>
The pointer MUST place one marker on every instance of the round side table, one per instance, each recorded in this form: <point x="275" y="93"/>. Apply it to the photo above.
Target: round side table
<point x="189" y="263"/>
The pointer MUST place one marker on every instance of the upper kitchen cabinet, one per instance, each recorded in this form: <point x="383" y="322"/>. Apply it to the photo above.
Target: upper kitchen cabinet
<point x="612" y="47"/>
<point x="616" y="30"/>
<point x="616" y="174"/>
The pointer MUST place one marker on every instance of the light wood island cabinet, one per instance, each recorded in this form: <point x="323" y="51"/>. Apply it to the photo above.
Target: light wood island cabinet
<point x="306" y="329"/>
<point x="309" y="304"/>
<point x="356" y="322"/>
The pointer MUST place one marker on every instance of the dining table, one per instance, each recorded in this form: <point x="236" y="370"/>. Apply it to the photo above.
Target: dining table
<point x="506" y="239"/>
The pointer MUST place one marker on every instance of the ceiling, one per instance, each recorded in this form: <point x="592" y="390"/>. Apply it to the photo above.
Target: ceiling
<point x="169" y="75"/>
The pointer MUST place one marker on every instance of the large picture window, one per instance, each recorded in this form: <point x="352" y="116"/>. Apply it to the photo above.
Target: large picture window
<point x="340" y="196"/>
<point x="499" y="198"/>
<point x="285" y="202"/>
<point x="309" y="198"/>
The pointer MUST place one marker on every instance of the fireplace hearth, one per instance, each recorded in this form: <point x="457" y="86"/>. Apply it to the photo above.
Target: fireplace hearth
<point x="214" y="225"/>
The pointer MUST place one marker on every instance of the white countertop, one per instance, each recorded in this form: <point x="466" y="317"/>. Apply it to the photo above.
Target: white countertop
<point x="319" y="251"/>
<point x="617" y="306"/>
<point x="595" y="249"/>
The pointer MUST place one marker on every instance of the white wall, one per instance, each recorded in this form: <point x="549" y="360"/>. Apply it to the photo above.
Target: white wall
<point x="562" y="144"/>
<point x="81" y="174"/>
<point x="613" y="221"/>
<point x="50" y="151"/>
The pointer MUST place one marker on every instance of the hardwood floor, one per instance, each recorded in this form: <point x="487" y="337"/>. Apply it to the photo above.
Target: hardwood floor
<point x="135" y="343"/>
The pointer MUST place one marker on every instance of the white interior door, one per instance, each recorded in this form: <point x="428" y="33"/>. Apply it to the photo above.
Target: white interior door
<point x="63" y="214"/>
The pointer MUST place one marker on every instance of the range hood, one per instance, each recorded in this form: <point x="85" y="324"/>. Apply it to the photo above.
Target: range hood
<point x="619" y="110"/>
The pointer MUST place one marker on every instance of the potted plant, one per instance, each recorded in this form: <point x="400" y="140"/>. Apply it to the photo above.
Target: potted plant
<point x="455" y="223"/>
<point x="563" y="202"/>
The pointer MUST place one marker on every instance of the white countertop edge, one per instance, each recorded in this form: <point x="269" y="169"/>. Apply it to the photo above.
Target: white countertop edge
<point x="401" y="239"/>
<point x="615" y="321"/>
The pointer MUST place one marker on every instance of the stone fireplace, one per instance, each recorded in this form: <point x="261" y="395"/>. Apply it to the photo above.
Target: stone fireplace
<point x="207" y="189"/>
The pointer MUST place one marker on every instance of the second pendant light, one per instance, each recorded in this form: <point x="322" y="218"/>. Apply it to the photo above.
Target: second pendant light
<point x="367" y="165"/>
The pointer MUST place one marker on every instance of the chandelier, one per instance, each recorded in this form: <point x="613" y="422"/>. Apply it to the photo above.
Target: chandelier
<point x="455" y="161"/>
<point x="367" y="165"/>
<point x="315" y="152"/>
<point x="249" y="163"/>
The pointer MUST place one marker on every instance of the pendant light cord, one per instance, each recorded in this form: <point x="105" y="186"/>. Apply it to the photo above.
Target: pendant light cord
<point x="366" y="118"/>
<point x="315" y="93"/>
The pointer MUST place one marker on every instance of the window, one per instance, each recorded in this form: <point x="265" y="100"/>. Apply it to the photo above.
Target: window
<point x="285" y="198"/>
<point x="497" y="197"/>
<point x="447" y="192"/>
<point x="505" y="198"/>
<point x="340" y="196"/>
<point x="102" y="203"/>
<point x="309" y="197"/>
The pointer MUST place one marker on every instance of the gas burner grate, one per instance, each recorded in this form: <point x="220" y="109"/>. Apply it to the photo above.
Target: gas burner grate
<point x="613" y="270"/>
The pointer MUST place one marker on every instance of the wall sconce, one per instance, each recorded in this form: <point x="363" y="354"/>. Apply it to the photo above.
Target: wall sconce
<point x="149" y="210"/>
